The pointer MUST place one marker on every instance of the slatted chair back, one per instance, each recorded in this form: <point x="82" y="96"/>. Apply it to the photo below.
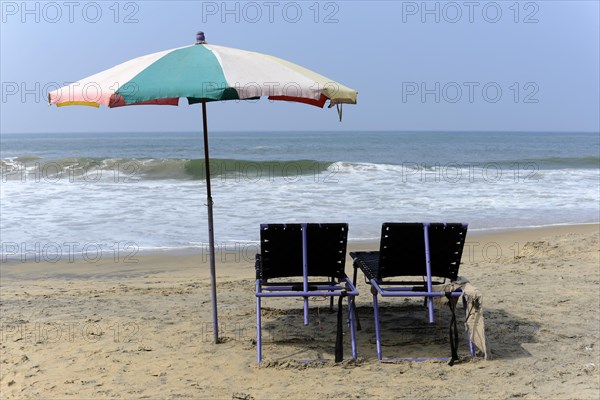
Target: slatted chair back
<point x="282" y="250"/>
<point x="446" y="243"/>
<point x="402" y="249"/>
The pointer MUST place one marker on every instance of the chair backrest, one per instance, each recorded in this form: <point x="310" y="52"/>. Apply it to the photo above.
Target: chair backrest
<point x="281" y="250"/>
<point x="402" y="249"/>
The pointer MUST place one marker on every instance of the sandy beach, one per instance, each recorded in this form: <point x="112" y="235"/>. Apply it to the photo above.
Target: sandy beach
<point x="139" y="327"/>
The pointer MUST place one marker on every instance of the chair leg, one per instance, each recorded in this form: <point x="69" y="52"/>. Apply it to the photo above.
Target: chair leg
<point x="351" y="316"/>
<point x="258" y="332"/>
<point x="377" y="337"/>
<point x="354" y="277"/>
<point x="471" y="347"/>
<point x="339" y="333"/>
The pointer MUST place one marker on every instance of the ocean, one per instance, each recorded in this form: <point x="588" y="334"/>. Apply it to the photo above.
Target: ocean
<point x="72" y="194"/>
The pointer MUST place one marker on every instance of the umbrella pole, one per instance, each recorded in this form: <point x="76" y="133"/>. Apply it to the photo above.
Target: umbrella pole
<point x="211" y="236"/>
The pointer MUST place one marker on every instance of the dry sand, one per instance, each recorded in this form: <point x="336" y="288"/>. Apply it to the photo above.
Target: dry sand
<point x="142" y="329"/>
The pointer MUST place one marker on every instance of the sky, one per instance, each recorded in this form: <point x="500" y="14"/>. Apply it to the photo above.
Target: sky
<point x="417" y="65"/>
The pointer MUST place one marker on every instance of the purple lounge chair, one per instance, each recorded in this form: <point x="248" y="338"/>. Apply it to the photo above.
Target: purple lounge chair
<point x="304" y="251"/>
<point x="408" y="250"/>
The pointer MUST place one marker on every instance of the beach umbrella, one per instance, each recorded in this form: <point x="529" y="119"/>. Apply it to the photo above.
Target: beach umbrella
<point x="203" y="73"/>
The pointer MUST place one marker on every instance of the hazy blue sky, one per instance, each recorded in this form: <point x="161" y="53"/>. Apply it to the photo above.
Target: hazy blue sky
<point x="489" y="66"/>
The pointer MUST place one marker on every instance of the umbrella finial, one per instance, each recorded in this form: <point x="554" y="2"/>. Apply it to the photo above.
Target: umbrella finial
<point x="200" y="38"/>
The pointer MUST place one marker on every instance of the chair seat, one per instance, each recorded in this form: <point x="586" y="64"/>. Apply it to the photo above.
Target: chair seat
<point x="368" y="262"/>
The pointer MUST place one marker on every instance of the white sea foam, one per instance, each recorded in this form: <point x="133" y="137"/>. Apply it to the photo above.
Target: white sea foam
<point x="49" y="217"/>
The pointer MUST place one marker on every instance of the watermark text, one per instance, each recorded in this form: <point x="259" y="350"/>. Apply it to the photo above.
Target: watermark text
<point x="53" y="252"/>
<point x="54" y="12"/>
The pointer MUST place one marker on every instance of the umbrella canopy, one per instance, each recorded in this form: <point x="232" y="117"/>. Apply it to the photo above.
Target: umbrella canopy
<point x="203" y="73"/>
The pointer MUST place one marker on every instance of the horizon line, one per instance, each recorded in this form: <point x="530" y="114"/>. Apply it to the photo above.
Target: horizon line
<point x="306" y="131"/>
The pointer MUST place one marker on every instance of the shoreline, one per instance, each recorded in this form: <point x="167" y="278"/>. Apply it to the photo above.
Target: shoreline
<point x="246" y="247"/>
<point x="479" y="247"/>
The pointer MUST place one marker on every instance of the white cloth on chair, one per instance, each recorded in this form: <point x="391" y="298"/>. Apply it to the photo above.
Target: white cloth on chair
<point x="474" y="323"/>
